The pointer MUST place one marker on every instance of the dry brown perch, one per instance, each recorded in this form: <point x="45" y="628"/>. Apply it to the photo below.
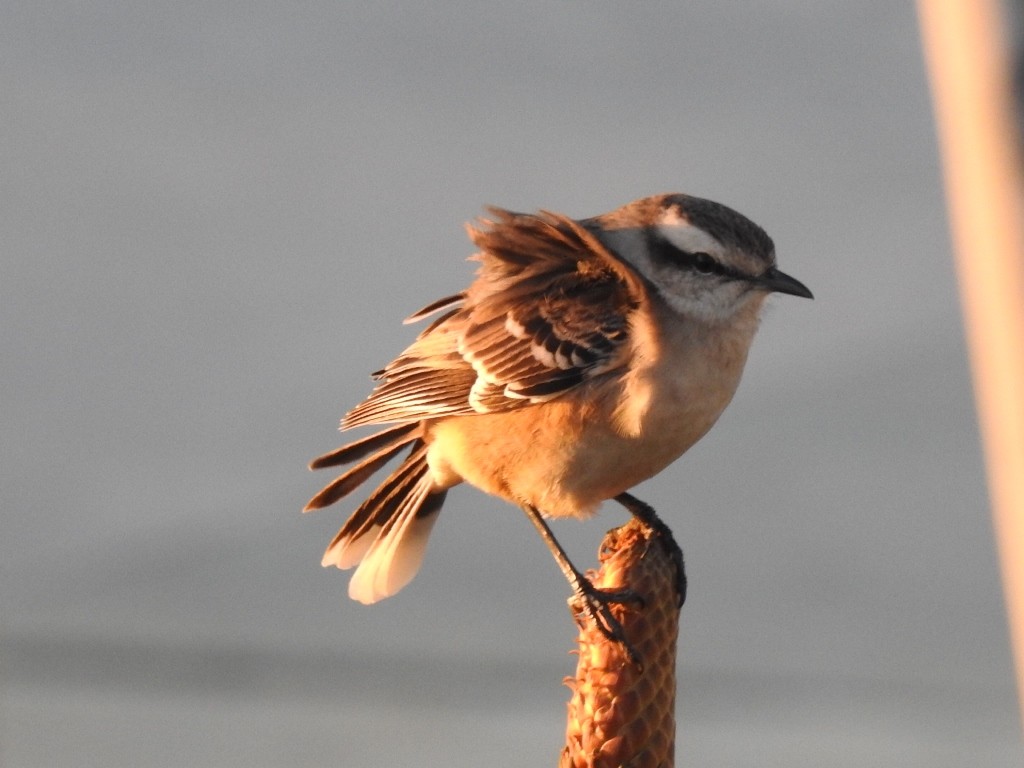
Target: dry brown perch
<point x="620" y="714"/>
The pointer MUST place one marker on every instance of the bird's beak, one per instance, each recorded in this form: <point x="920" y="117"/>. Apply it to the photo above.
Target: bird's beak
<point x="779" y="282"/>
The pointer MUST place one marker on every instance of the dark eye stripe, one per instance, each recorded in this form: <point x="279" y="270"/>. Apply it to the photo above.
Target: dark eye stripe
<point x="701" y="262"/>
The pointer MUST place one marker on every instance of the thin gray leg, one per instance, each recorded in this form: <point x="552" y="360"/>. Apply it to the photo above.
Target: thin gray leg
<point x="594" y="602"/>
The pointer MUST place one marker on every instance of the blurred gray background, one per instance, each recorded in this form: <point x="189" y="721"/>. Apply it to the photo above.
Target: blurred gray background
<point x="214" y="216"/>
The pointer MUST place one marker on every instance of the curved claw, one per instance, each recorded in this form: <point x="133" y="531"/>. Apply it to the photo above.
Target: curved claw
<point x="596" y="604"/>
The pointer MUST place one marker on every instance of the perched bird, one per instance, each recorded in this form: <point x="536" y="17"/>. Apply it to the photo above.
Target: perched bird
<point x="585" y="357"/>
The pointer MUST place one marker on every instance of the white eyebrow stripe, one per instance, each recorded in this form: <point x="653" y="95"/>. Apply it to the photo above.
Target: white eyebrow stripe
<point x="688" y="238"/>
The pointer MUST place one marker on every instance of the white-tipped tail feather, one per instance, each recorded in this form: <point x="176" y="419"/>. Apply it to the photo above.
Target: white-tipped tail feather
<point x="349" y="552"/>
<point x="397" y="552"/>
<point x="387" y="536"/>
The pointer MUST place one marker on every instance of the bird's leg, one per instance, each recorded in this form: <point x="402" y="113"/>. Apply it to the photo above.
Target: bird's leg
<point x="645" y="513"/>
<point x="594" y="602"/>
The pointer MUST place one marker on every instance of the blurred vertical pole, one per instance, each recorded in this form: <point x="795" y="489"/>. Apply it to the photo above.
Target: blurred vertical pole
<point x="969" y="67"/>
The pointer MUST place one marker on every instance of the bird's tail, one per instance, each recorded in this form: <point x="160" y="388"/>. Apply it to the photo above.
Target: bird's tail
<point x="387" y="536"/>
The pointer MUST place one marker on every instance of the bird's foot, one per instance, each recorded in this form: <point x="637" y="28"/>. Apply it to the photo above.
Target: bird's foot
<point x="593" y="603"/>
<point x="596" y="604"/>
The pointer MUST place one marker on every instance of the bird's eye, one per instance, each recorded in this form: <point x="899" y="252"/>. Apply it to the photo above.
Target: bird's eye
<point x="704" y="263"/>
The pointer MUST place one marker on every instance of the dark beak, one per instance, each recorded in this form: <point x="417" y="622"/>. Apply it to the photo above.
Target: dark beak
<point x="779" y="282"/>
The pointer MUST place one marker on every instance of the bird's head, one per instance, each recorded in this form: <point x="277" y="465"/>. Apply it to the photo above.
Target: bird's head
<point x="704" y="259"/>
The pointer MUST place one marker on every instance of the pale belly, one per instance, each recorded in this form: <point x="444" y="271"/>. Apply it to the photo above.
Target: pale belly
<point x="565" y="459"/>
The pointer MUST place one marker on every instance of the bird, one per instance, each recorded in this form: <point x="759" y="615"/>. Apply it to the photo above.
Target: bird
<point x="584" y="357"/>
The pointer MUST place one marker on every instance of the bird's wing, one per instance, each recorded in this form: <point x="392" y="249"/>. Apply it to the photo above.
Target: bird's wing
<point x="550" y="309"/>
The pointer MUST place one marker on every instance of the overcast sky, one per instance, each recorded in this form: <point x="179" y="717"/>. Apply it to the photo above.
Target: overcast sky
<point x="215" y="216"/>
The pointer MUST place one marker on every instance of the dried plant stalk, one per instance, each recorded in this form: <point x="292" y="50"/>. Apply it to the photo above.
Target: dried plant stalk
<point x="622" y="714"/>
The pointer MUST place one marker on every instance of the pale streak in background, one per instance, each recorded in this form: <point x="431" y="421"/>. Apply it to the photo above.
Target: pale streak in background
<point x="970" y="72"/>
